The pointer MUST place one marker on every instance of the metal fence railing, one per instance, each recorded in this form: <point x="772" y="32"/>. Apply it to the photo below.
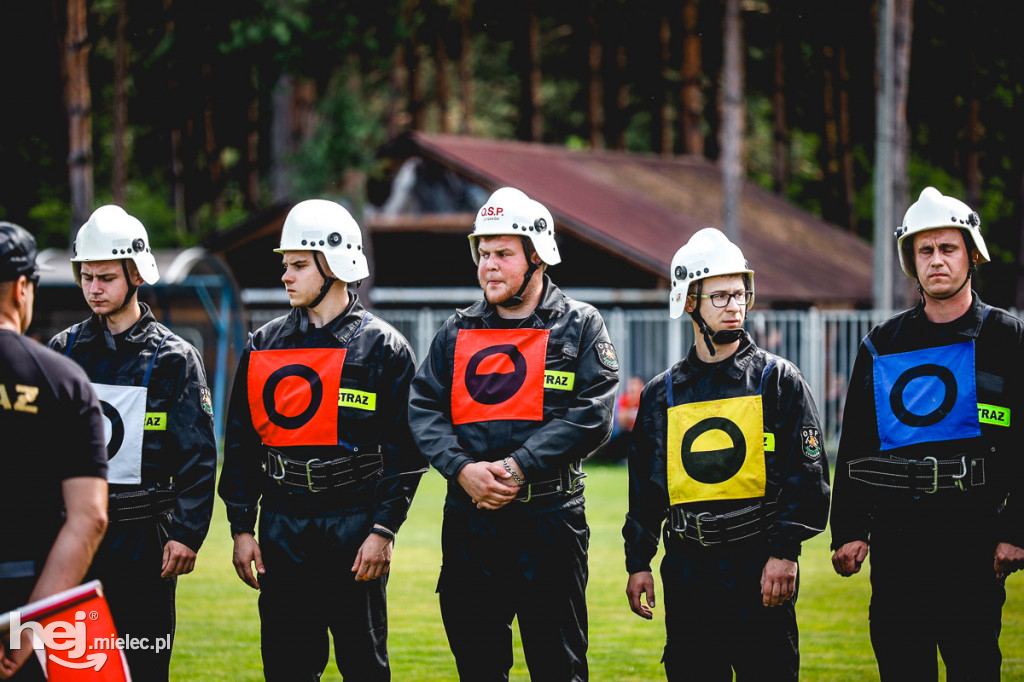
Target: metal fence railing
<point x="823" y="344"/>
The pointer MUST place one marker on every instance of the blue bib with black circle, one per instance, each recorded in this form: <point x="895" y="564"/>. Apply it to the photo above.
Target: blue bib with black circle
<point x="926" y="395"/>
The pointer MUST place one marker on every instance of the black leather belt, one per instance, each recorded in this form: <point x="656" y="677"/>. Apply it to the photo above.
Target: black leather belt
<point x="317" y="476"/>
<point x="708" y="529"/>
<point x="928" y="475"/>
<point x="568" y="482"/>
<point x="140" y="505"/>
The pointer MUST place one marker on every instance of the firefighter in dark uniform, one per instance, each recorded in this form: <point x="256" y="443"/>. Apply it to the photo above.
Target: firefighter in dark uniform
<point x="318" y="436"/>
<point x="161" y="446"/>
<point x="929" y="473"/>
<point x="53" y="490"/>
<point x="517" y="390"/>
<point x="727" y="448"/>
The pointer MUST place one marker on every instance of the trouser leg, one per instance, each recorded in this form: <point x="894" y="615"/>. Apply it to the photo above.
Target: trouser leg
<point x="715" y="620"/>
<point x="477" y="602"/>
<point x="128" y="564"/>
<point x="143" y="612"/>
<point x="357" y="613"/>
<point x="968" y="635"/>
<point x="553" y="607"/>
<point x="293" y="630"/>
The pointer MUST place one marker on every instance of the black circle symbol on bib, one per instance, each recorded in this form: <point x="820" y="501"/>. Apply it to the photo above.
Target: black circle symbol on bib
<point x="899" y="408"/>
<point x="116" y="429"/>
<point x="316" y="395"/>
<point x="713" y="466"/>
<point x="495" y="388"/>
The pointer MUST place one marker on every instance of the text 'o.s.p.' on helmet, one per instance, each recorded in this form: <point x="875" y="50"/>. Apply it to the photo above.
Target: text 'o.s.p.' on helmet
<point x="510" y="212"/>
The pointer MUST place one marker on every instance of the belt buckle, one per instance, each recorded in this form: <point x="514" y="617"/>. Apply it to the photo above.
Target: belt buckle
<point x="280" y="464"/>
<point x="574" y="481"/>
<point x="309" y="475"/>
<point x="959" y="479"/>
<point x="529" y="493"/>
<point x="700" y="530"/>
<point x="935" y="474"/>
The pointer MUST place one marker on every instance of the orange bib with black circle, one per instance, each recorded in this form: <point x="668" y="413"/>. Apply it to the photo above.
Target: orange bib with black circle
<point x="499" y="375"/>
<point x="293" y="395"/>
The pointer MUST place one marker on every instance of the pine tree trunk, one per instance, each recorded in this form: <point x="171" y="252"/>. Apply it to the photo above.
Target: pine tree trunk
<point x="118" y="174"/>
<point x="691" y="110"/>
<point x="973" y="174"/>
<point x="731" y="134"/>
<point x="595" y="88"/>
<point x="780" y="136"/>
<point x="831" y="134"/>
<point x="903" y="26"/>
<point x="78" y="103"/>
<point x="661" y="110"/>
<point x="252" y="144"/>
<point x="441" y="63"/>
<point x="849" y="193"/>
<point x="466" y="85"/>
<point x="531" y="124"/>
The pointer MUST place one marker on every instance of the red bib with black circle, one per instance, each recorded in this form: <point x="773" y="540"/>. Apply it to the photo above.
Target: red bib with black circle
<point x="499" y="375"/>
<point x="293" y="395"/>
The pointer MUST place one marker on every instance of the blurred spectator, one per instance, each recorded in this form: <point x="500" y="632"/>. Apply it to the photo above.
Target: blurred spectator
<point x="625" y="414"/>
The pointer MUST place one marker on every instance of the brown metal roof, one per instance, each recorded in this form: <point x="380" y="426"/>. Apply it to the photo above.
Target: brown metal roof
<point x="645" y="207"/>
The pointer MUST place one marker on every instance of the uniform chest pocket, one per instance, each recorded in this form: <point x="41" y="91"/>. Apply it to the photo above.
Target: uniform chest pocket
<point x="358" y="405"/>
<point x="357" y="393"/>
<point x="560" y="373"/>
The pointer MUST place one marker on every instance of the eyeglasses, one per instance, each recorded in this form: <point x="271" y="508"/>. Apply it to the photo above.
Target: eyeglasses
<point x="720" y="299"/>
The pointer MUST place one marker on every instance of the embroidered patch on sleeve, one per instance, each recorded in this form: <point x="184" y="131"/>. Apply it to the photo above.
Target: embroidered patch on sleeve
<point x="811" y="440"/>
<point x="606" y="355"/>
<point x="204" y="400"/>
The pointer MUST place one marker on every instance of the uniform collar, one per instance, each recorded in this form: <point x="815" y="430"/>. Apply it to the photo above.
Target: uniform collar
<point x="967" y="325"/>
<point x="342" y="327"/>
<point x="552" y="303"/>
<point x="94" y="328"/>
<point x="735" y="366"/>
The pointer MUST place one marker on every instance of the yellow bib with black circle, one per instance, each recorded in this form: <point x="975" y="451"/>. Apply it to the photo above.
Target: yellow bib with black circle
<point x="716" y="450"/>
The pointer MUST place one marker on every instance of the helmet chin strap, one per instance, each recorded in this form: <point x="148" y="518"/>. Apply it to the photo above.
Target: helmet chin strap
<point x="970" y="273"/>
<point x="328" y="282"/>
<point x="516" y="299"/>
<point x="722" y="337"/>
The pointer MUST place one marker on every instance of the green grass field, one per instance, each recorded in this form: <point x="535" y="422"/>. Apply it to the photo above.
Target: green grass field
<point x="218" y="624"/>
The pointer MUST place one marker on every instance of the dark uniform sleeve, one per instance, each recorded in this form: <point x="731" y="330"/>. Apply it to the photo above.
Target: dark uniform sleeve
<point x="192" y="424"/>
<point x="587" y="423"/>
<point x="1010" y="521"/>
<point x="241" y="477"/>
<point x="404" y="466"/>
<point x="801" y="462"/>
<point x="648" y="498"/>
<point x="850" y="511"/>
<point x="430" y="410"/>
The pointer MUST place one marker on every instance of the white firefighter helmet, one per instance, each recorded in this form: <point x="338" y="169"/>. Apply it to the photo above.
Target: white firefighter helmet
<point x="933" y="211"/>
<point x="509" y="211"/>
<point x="709" y="253"/>
<point x="325" y="226"/>
<point x="112" y="234"/>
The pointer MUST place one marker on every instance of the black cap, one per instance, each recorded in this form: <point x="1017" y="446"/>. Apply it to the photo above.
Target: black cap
<point x="17" y="253"/>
